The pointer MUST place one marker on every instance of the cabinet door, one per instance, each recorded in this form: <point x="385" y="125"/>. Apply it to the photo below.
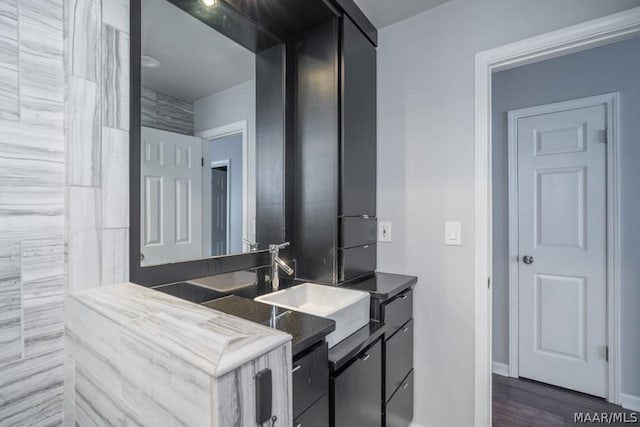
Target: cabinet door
<point x="310" y="378"/>
<point x="399" y="358"/>
<point x="358" y="122"/>
<point x="399" y="410"/>
<point x="316" y="416"/>
<point x="357" y="391"/>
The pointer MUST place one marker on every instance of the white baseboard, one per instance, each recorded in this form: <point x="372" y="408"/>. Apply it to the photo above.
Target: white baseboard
<point x="501" y="369"/>
<point x="629" y="401"/>
<point x="414" y="424"/>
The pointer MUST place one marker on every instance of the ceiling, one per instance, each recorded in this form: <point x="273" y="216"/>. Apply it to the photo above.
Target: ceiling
<point x="386" y="12"/>
<point x="197" y="61"/>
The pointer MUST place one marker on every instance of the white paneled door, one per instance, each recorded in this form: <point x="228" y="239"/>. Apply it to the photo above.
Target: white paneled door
<point x="562" y="248"/>
<point x="171" y="223"/>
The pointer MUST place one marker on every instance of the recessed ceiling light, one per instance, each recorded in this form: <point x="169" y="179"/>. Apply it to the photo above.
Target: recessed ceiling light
<point x="150" y="62"/>
<point x="209" y="2"/>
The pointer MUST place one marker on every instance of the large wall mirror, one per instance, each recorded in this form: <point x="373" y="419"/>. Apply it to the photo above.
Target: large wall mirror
<point x="198" y="134"/>
<point x="195" y="117"/>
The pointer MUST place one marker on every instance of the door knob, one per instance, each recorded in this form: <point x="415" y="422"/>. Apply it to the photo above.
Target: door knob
<point x="527" y="259"/>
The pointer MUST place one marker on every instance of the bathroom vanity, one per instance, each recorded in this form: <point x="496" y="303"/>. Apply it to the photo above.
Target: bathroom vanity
<point x="253" y="197"/>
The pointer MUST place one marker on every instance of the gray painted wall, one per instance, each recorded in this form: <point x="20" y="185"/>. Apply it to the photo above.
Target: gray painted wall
<point x="426" y="173"/>
<point x="166" y="112"/>
<point x="230" y="147"/>
<point x="232" y="105"/>
<point x="613" y="68"/>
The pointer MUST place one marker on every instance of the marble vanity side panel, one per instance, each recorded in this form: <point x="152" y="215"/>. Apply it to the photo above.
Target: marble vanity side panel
<point x="84" y="256"/>
<point x="234" y="393"/>
<point x="96" y="405"/>
<point x="115" y="256"/>
<point x="83" y="38"/>
<point x="115" y="178"/>
<point x="41" y="64"/>
<point x="116" y="14"/>
<point x="9" y="90"/>
<point x="83" y="132"/>
<point x="167" y="391"/>
<point x="43" y="295"/>
<point x="10" y="303"/>
<point x="93" y="340"/>
<point x="115" y="80"/>
<point x="31" y="391"/>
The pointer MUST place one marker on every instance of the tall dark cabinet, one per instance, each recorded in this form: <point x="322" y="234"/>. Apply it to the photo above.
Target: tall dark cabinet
<point x="335" y="190"/>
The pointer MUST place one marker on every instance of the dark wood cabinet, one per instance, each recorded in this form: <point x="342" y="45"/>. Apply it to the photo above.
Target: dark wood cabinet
<point x="335" y="190"/>
<point x="397" y="396"/>
<point x="356" y="391"/>
<point x="315" y="416"/>
<point x="399" y="409"/>
<point x="358" y="166"/>
<point x="310" y="378"/>
<point x="398" y="358"/>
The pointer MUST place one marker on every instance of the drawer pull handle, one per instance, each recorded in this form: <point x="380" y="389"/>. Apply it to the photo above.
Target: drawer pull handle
<point x="366" y="246"/>
<point x="298" y="425"/>
<point x="404" y="387"/>
<point x="405" y="330"/>
<point x="296" y="368"/>
<point x="365" y="357"/>
<point x="365" y="216"/>
<point x="404" y="296"/>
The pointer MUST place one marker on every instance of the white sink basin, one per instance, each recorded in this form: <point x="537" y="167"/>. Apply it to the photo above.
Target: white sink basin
<point x="347" y="307"/>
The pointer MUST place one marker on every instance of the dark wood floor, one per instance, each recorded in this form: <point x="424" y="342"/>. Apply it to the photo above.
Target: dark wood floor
<point x="518" y="402"/>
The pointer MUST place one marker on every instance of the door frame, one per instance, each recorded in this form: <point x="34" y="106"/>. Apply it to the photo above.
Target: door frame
<point x="207" y="136"/>
<point x="590" y="34"/>
<point x="220" y="164"/>
<point x="611" y="102"/>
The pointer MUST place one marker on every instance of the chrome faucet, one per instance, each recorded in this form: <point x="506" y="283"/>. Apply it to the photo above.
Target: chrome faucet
<point x="277" y="264"/>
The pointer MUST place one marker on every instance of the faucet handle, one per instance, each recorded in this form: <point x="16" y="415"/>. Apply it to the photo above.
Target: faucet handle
<point x="276" y="248"/>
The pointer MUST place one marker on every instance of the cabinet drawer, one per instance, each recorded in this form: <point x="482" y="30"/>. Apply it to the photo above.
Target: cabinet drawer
<point x="399" y="358"/>
<point x="356" y="391"/>
<point x="398" y="311"/>
<point x="399" y="410"/>
<point x="310" y="378"/>
<point x="356" y="262"/>
<point x="316" y="416"/>
<point x="358" y="231"/>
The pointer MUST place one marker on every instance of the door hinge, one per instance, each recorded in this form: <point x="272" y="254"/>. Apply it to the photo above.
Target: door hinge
<point x="605" y="137"/>
<point x="488" y="282"/>
<point x="606" y="353"/>
<point x="202" y="161"/>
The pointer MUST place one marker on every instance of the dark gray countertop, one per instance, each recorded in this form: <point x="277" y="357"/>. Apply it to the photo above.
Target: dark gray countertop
<point x="341" y="353"/>
<point x="304" y="328"/>
<point x="383" y="286"/>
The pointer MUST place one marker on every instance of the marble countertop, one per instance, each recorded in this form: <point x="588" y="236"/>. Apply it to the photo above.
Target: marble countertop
<point x="304" y="328"/>
<point x="209" y="340"/>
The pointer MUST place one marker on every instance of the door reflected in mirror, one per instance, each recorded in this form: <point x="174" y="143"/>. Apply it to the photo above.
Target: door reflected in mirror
<point x="198" y="108"/>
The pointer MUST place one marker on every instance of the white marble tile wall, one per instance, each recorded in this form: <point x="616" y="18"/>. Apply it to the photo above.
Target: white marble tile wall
<point x="97" y="124"/>
<point x="32" y="194"/>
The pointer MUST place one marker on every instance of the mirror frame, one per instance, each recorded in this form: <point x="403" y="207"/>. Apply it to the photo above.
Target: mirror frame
<point x="178" y="271"/>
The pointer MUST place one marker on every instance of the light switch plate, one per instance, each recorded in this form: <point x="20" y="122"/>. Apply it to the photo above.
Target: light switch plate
<point x="453" y="233"/>
<point x="384" y="231"/>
